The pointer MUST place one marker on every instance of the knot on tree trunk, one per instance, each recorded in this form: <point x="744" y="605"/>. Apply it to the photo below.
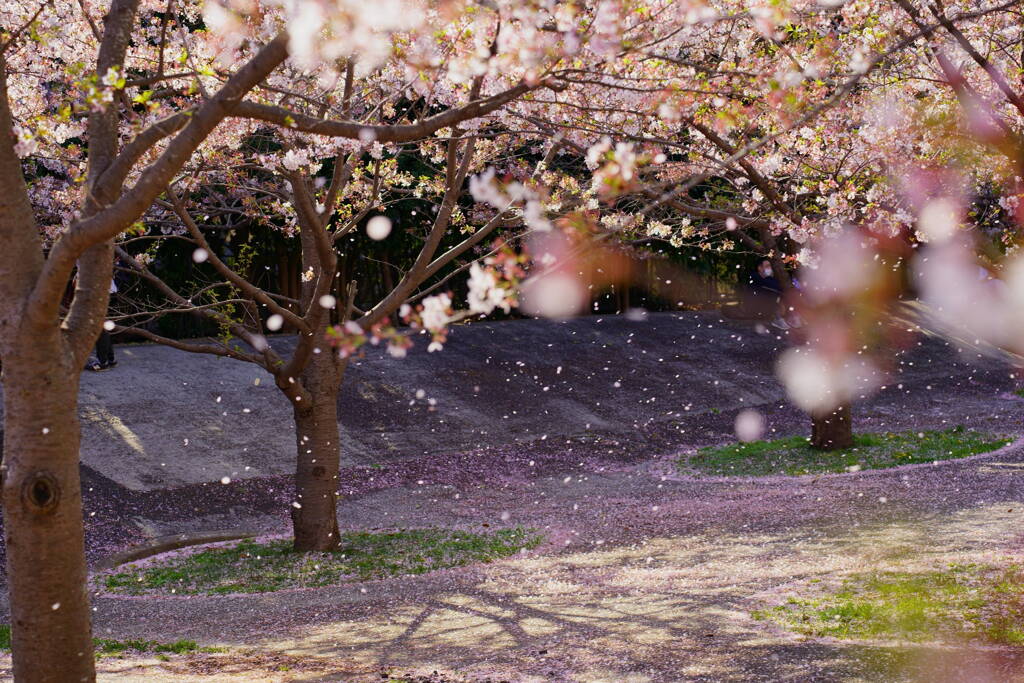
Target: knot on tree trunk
<point x="40" y="493"/>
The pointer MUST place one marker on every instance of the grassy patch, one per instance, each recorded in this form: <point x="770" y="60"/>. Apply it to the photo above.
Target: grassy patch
<point x="109" y="647"/>
<point x="793" y="455"/>
<point x="250" y="567"/>
<point x="963" y="602"/>
<point x="1019" y="392"/>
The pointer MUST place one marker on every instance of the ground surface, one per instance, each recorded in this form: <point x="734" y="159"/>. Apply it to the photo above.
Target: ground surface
<point x="646" y="575"/>
<point x="165" y="418"/>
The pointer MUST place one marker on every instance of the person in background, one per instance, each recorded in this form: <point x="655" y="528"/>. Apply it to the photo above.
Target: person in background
<point x="103" y="358"/>
<point x="766" y="301"/>
<point x="763" y="292"/>
<point x="789" y="313"/>
<point x="764" y="279"/>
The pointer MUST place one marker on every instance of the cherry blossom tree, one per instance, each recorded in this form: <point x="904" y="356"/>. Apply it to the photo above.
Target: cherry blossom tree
<point x="528" y="60"/>
<point x="100" y="110"/>
<point x="731" y="123"/>
<point x="708" y="133"/>
<point x="774" y="132"/>
<point x="940" y="201"/>
<point x="324" y="211"/>
<point x="50" y="100"/>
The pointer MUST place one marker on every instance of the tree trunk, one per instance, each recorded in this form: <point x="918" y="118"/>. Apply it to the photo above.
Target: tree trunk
<point x="42" y="501"/>
<point x="832" y="431"/>
<point x="314" y="517"/>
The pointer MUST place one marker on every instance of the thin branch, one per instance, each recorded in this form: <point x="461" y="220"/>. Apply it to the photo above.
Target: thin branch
<point x="381" y="133"/>
<point x="234" y="278"/>
<point x="212" y="349"/>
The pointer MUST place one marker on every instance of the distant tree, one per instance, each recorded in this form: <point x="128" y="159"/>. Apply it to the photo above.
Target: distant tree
<point x="772" y="129"/>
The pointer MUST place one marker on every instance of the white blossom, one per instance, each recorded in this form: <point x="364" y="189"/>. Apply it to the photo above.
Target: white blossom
<point x="435" y="312"/>
<point x="484" y="293"/>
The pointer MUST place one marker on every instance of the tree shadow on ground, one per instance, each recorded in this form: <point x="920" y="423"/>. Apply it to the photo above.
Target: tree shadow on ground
<point x="608" y="622"/>
<point x="658" y="638"/>
<point x="673" y="608"/>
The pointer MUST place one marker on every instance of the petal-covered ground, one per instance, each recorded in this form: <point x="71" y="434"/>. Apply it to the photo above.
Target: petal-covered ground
<point x="645" y="575"/>
<point x="644" y="578"/>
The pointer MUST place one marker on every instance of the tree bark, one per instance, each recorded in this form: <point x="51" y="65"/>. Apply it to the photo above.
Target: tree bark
<point x="42" y="500"/>
<point x="833" y="430"/>
<point x="314" y="515"/>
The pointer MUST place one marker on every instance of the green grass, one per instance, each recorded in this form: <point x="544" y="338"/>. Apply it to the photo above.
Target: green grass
<point x="961" y="603"/>
<point x="109" y="647"/>
<point x="250" y="567"/>
<point x="793" y="455"/>
<point x="1019" y="392"/>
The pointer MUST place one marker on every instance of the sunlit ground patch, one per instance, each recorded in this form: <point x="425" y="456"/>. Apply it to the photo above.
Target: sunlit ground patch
<point x="793" y="455"/>
<point x="251" y="567"/>
<point x="978" y="603"/>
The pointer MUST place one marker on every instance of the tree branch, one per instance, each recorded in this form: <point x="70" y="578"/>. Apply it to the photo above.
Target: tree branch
<point x="212" y="349"/>
<point x="116" y="217"/>
<point x="383" y="132"/>
<point x="234" y="278"/>
<point x="21" y="258"/>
